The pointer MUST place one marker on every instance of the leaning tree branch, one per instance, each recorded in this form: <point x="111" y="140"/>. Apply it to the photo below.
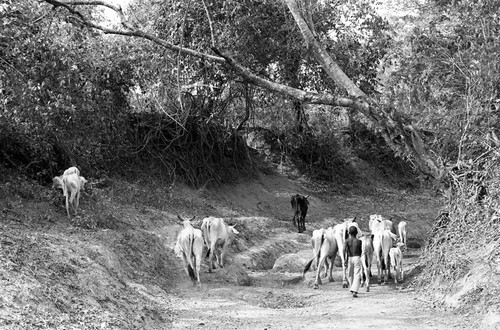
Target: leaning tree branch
<point x="400" y="135"/>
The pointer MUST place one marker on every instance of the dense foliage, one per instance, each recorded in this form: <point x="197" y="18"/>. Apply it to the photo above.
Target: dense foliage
<point x="66" y="100"/>
<point x="447" y="78"/>
<point x="105" y="103"/>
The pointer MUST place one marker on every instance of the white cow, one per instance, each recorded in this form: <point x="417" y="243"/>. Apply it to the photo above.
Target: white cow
<point x="326" y="248"/>
<point x="189" y="247"/>
<point x="72" y="185"/>
<point x="316" y="241"/>
<point x="332" y="242"/>
<point x="382" y="243"/>
<point x="217" y="235"/>
<point x="396" y="256"/>
<point x="402" y="233"/>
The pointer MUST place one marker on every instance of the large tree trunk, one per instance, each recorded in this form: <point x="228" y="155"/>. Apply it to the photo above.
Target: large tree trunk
<point x="400" y="135"/>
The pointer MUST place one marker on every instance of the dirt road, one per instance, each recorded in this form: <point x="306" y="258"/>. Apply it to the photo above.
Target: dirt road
<point x="273" y="301"/>
<point x="283" y="300"/>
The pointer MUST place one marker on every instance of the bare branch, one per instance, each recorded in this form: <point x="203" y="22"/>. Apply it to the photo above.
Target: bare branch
<point x="209" y="17"/>
<point x="130" y="30"/>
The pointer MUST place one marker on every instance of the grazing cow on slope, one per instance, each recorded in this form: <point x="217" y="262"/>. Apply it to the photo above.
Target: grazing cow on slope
<point x="366" y="259"/>
<point x="402" y="233"/>
<point x="217" y="235"/>
<point x="396" y="256"/>
<point x="72" y="185"/>
<point x="189" y="247"/>
<point x="332" y="242"/>
<point x="300" y="204"/>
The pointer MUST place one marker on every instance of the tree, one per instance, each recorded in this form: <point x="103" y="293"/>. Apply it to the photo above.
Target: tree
<point x="399" y="133"/>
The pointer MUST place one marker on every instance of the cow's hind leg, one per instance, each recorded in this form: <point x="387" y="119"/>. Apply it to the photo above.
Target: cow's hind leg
<point x="330" y="269"/>
<point x="342" y="254"/>
<point x="197" y="252"/>
<point x="379" y="268"/>
<point x="366" y="275"/>
<point x="67" y="206"/>
<point x="211" y="259"/>
<point x="326" y="268"/>
<point x="222" y="254"/>
<point x="318" y="282"/>
<point x="387" y="269"/>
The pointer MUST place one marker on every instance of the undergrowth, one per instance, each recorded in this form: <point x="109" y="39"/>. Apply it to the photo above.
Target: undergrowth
<point x="463" y="252"/>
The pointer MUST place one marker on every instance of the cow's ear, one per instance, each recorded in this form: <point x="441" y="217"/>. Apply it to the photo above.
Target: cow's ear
<point x="307" y="196"/>
<point x="234" y="230"/>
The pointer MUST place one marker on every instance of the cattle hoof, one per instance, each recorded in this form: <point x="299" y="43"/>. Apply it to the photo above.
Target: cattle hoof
<point x="315" y="286"/>
<point x="367" y="289"/>
<point x="345" y="285"/>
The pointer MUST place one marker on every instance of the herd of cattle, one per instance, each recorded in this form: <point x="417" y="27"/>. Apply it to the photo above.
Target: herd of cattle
<point x="383" y="242"/>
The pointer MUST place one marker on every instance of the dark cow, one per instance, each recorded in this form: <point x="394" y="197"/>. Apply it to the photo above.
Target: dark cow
<point x="300" y="204"/>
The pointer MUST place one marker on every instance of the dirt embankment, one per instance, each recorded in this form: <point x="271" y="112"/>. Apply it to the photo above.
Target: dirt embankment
<point x="114" y="268"/>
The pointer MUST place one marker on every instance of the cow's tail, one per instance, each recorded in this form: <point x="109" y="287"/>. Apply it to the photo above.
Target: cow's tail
<point x="191" y="273"/>
<point x="206" y="240"/>
<point x="306" y="268"/>
<point x="190" y="261"/>
<point x="316" y="256"/>
<point x="382" y="261"/>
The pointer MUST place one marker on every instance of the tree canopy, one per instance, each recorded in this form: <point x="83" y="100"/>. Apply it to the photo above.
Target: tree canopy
<point x="221" y="60"/>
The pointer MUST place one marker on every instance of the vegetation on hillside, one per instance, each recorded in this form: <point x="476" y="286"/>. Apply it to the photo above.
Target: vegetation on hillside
<point x="447" y="77"/>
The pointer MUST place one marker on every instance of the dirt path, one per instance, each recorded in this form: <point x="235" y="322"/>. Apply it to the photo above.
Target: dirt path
<point x="274" y="301"/>
<point x="277" y="300"/>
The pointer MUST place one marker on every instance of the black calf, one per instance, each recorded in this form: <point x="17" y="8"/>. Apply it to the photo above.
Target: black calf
<point x="300" y="205"/>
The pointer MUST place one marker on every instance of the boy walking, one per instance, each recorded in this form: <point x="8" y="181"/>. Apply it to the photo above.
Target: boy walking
<point x="354" y="257"/>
